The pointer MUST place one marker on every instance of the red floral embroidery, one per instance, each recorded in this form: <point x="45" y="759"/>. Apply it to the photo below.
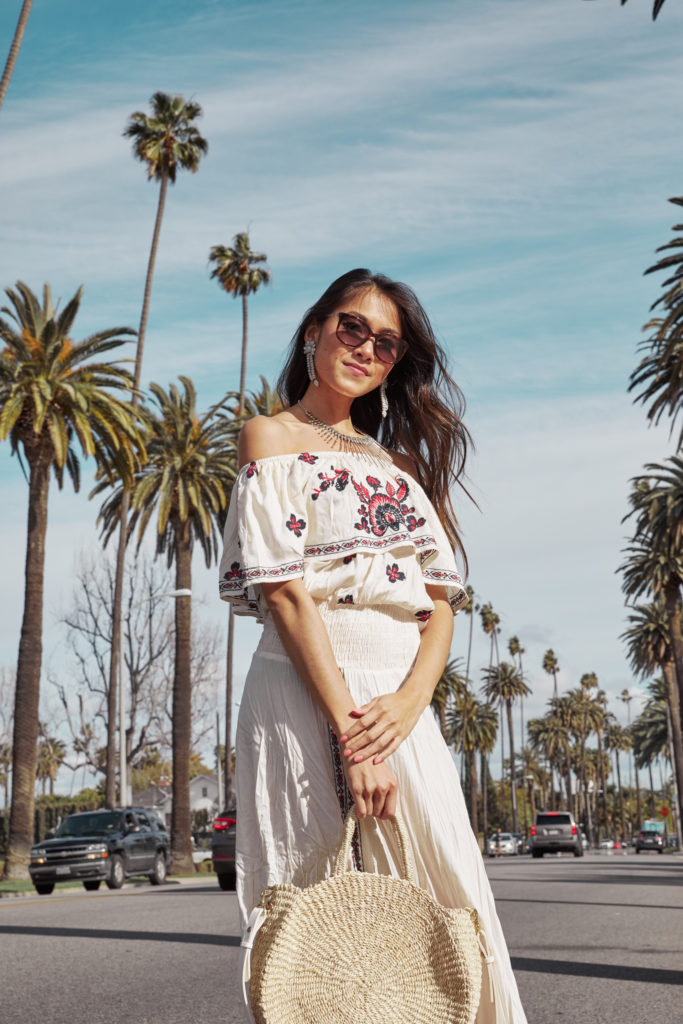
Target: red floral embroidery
<point x="339" y="479"/>
<point x="252" y="470"/>
<point x="234" y="572"/>
<point x="347" y="559"/>
<point x="385" y="510"/>
<point x="394" y="573"/>
<point x="412" y="522"/>
<point x="295" y="525"/>
<point x="423" y="616"/>
<point x="347" y="599"/>
<point x="307" y="457"/>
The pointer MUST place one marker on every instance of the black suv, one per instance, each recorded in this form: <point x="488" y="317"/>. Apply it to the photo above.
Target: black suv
<point x="96" y="846"/>
<point x="553" y="831"/>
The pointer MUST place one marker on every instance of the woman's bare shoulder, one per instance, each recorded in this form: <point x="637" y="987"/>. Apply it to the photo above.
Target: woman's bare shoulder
<point x="262" y="436"/>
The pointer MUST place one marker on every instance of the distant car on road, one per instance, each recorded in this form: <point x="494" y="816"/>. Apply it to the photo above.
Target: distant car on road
<point x="504" y="844"/>
<point x="606" y="844"/>
<point x="102" y="846"/>
<point x="649" y="839"/>
<point x="223" y="848"/>
<point x="554" y="832"/>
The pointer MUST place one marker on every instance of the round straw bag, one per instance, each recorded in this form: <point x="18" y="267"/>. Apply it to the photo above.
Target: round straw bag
<point x="362" y="947"/>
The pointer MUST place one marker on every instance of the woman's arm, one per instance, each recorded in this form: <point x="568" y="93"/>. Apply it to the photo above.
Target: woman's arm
<point x="383" y="723"/>
<point x="305" y="639"/>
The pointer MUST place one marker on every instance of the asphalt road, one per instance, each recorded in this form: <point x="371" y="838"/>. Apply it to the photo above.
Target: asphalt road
<point x="593" y="940"/>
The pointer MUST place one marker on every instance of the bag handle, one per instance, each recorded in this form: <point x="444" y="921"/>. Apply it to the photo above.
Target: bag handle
<point x="406" y="857"/>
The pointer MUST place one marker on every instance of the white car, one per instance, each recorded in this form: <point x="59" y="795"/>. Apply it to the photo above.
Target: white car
<point x="503" y="844"/>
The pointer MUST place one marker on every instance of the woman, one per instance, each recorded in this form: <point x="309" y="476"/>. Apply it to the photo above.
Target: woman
<point x="343" y="547"/>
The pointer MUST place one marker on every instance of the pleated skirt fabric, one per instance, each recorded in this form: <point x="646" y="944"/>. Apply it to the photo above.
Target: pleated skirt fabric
<point x="292" y="798"/>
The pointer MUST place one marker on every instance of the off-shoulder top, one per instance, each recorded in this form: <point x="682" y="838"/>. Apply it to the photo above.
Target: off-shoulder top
<point x="357" y="531"/>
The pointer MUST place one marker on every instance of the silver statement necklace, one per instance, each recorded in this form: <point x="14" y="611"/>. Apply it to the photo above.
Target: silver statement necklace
<point x="357" y="444"/>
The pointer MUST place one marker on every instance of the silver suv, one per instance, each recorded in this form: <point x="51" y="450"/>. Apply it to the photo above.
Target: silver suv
<point x="554" y="831"/>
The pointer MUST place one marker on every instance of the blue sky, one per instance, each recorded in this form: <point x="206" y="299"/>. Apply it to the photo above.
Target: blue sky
<point x="510" y="159"/>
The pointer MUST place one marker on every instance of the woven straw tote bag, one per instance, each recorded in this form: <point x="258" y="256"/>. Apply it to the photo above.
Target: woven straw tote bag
<point x="361" y="947"/>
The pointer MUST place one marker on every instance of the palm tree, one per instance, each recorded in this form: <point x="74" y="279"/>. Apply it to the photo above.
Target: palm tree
<point x="237" y="271"/>
<point x="649" y="649"/>
<point x="549" y="736"/>
<point x="449" y="688"/>
<point x="14" y="48"/>
<point x="587" y="716"/>
<point x="505" y="684"/>
<point x="562" y="712"/>
<point x="618" y="741"/>
<point x="51" y="754"/>
<point x="56" y="396"/>
<point x="516" y="650"/>
<point x="552" y="667"/>
<point x="655" y="562"/>
<point x="190" y="461"/>
<point x="165" y="141"/>
<point x="472" y="727"/>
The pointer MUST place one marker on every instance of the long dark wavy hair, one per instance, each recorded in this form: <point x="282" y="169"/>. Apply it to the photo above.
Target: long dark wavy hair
<point x="426" y="406"/>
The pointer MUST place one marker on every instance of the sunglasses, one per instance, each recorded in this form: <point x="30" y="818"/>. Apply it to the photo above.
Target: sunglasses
<point x="353" y="332"/>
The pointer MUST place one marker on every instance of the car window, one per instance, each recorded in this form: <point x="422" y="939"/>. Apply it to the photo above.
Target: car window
<point x="96" y="824"/>
<point x="143" y="821"/>
<point x="553" y="819"/>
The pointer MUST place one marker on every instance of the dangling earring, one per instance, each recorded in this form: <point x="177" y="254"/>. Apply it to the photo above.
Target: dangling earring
<point x="309" y="350"/>
<point x="383" y="399"/>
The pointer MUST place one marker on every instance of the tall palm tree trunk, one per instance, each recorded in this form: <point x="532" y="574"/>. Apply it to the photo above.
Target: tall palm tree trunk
<point x="602" y="782"/>
<point x="27" y="691"/>
<point x="639" y="809"/>
<point x="674" y="716"/>
<point x="513" y="779"/>
<point x="181" y="842"/>
<point x="653" y="809"/>
<point x="14" y="48"/>
<point x="469" y="643"/>
<point x="474" y="818"/>
<point x="621" y="796"/>
<point x="117" y="609"/>
<point x="672" y="596"/>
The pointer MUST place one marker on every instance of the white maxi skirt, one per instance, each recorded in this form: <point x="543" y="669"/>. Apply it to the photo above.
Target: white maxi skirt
<point x="292" y="797"/>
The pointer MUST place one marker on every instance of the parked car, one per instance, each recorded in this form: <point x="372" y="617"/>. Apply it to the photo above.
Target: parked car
<point x="648" y="839"/>
<point x="97" y="846"/>
<point x="606" y="844"/>
<point x="223" y="848"/>
<point x="504" y="844"/>
<point x="584" y="841"/>
<point x="554" y="832"/>
<point x="519" y="839"/>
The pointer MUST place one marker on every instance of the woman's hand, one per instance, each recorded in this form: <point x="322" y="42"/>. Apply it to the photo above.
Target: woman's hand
<point x="381" y="726"/>
<point x="374" y="789"/>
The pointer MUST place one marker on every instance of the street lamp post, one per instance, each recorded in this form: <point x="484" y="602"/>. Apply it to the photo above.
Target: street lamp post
<point x="124" y="795"/>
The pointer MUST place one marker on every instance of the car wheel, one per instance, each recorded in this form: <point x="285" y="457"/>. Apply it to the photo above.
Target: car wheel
<point x="116" y="873"/>
<point x="44" y="888"/>
<point x="158" y="876"/>
<point x="93" y="885"/>
<point x="226" y="881"/>
<point x="637" y="849"/>
<point x="578" y="852"/>
<point x="537" y="853"/>
<point x="660" y="850"/>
